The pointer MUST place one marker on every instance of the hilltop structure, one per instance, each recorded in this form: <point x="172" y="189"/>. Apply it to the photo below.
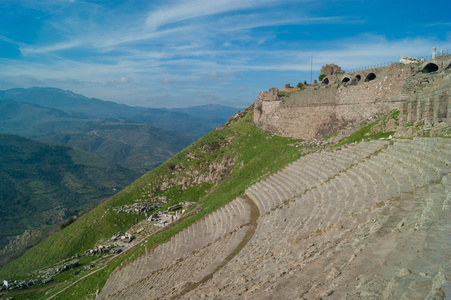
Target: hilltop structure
<point x="344" y="99"/>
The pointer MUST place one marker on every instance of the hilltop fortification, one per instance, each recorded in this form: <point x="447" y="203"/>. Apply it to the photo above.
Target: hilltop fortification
<point x="349" y="98"/>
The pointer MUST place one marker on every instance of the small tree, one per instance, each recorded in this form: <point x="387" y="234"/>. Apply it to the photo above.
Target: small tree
<point x="171" y="167"/>
<point x="300" y="85"/>
<point x="305" y="82"/>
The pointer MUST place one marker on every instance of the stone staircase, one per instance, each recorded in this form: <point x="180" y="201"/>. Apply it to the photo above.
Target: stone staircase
<point x="369" y="221"/>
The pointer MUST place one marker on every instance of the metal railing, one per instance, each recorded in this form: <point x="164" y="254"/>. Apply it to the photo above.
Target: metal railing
<point x="385" y="64"/>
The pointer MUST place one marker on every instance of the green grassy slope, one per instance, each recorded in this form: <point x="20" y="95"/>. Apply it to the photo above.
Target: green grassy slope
<point x="255" y="154"/>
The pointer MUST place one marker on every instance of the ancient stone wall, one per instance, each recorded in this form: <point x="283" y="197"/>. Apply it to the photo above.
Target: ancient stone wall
<point x="432" y="104"/>
<point x="357" y="96"/>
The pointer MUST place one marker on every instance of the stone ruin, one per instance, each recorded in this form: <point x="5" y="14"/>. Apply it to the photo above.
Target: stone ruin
<point x="105" y="249"/>
<point x="410" y="60"/>
<point x="85" y="269"/>
<point x="44" y="275"/>
<point x="331" y="69"/>
<point x="138" y="208"/>
<point x="162" y="219"/>
<point x="20" y="284"/>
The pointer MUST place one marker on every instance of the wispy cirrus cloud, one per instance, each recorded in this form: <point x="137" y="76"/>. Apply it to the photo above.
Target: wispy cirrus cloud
<point x="177" y="11"/>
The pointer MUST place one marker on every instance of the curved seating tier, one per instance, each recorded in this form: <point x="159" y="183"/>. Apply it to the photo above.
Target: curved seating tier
<point x="367" y="219"/>
<point x="370" y="221"/>
<point x="207" y="233"/>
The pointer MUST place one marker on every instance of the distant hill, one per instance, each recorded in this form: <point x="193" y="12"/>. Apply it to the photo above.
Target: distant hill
<point x="34" y="121"/>
<point x="197" y="120"/>
<point x="42" y="184"/>
<point x="174" y="120"/>
<point x="69" y="102"/>
<point x="210" y="111"/>
<point x="140" y="147"/>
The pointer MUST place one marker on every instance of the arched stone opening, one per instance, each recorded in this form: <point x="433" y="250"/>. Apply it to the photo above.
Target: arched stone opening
<point x="430" y="67"/>
<point x="346" y="79"/>
<point x="370" y="77"/>
<point x="325" y="81"/>
<point x="358" y="77"/>
<point x="448" y="67"/>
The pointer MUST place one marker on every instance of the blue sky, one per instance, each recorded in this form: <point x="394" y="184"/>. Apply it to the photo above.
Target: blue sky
<point x="183" y="53"/>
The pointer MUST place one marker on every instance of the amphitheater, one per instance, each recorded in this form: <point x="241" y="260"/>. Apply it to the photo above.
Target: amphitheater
<point x="370" y="220"/>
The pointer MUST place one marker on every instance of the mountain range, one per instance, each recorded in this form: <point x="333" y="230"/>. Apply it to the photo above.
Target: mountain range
<point x="135" y="137"/>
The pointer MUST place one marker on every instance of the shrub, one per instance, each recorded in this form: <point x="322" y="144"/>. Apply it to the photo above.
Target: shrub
<point x="321" y="77"/>
<point x="69" y="221"/>
<point x="171" y="167"/>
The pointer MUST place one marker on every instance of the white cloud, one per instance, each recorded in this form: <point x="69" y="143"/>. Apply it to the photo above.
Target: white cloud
<point x="26" y="50"/>
<point x="189" y="9"/>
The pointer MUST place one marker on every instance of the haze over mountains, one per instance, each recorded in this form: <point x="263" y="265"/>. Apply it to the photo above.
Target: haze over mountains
<point x="107" y="128"/>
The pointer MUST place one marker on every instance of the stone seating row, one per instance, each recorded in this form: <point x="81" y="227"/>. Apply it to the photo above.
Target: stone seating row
<point x="326" y="226"/>
<point x="349" y="197"/>
<point x="204" y="232"/>
<point x="307" y="173"/>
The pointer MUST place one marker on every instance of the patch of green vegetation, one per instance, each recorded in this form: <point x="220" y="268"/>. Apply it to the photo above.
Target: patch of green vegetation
<point x="330" y="136"/>
<point x="283" y="93"/>
<point x="372" y="131"/>
<point x="394" y="114"/>
<point x="359" y="135"/>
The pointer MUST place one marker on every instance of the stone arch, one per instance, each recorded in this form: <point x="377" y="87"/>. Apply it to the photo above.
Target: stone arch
<point x="370" y="77"/>
<point x="430" y="67"/>
<point x="448" y="67"/>
<point x="325" y="81"/>
<point x="345" y="79"/>
<point x="358" y="77"/>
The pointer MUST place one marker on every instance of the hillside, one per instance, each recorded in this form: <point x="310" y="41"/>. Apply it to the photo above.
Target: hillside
<point x="139" y="147"/>
<point x="33" y="121"/>
<point x="244" y="213"/>
<point x="42" y="185"/>
<point x="210" y="172"/>
<point x="179" y="121"/>
<point x="209" y="111"/>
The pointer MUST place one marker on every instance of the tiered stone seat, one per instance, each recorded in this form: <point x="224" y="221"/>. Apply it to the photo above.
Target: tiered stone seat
<point x="228" y="219"/>
<point x="306" y="173"/>
<point x="371" y="201"/>
<point x="326" y="220"/>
